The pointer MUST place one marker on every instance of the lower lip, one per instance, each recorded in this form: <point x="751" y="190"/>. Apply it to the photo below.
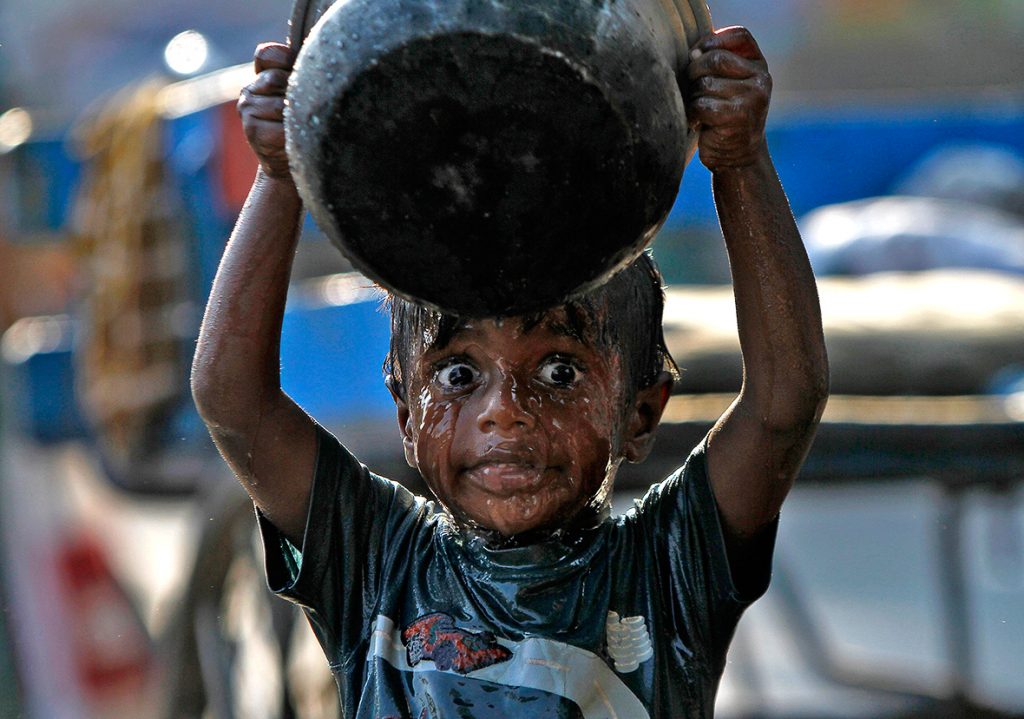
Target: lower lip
<point x="506" y="478"/>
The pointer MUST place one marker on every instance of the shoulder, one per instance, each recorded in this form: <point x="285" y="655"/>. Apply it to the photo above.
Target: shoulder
<point x="687" y="485"/>
<point x="361" y="507"/>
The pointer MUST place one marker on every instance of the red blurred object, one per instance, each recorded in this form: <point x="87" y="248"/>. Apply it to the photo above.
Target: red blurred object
<point x="112" y="653"/>
<point x="238" y="163"/>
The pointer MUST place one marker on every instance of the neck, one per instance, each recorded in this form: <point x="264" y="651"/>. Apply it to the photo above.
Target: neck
<point x="566" y="532"/>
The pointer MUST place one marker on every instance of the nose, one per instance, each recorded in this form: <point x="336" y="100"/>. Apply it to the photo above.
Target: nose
<point x="503" y="408"/>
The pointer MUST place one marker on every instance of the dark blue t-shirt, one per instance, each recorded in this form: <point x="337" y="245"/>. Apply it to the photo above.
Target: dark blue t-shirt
<point x="629" y="620"/>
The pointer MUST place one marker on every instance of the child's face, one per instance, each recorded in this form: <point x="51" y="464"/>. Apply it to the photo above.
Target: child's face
<point x="517" y="429"/>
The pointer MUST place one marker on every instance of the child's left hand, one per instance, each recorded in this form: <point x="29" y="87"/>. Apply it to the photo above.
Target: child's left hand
<point x="727" y="90"/>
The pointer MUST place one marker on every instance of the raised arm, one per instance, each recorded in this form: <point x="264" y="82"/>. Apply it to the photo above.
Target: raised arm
<point x="268" y="441"/>
<point x="756" y="448"/>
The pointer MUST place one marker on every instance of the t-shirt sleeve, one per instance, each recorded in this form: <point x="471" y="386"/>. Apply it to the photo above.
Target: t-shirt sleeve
<point x="684" y="532"/>
<point x="337" y="572"/>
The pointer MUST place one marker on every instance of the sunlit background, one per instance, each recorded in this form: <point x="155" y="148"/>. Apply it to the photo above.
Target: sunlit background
<point x="130" y="578"/>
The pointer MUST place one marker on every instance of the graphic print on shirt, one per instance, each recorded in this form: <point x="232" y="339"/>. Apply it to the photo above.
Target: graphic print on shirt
<point x="435" y="637"/>
<point x="629" y="644"/>
<point x="441" y="660"/>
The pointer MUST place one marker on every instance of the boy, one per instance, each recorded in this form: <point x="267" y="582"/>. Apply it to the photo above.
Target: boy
<point x="517" y="594"/>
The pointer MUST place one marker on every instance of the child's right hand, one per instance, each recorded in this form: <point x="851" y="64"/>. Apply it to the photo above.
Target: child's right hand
<point x="261" y="106"/>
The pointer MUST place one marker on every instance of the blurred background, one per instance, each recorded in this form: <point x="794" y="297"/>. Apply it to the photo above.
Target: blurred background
<point x="130" y="578"/>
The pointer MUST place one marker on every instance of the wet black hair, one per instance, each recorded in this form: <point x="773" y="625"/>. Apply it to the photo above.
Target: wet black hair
<point x="623" y="315"/>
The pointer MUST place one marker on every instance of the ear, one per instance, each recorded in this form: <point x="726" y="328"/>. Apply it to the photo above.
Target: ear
<point x="404" y="424"/>
<point x="644" y="418"/>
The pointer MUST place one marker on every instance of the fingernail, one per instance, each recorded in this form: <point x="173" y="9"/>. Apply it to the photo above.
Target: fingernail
<point x="695" y="53"/>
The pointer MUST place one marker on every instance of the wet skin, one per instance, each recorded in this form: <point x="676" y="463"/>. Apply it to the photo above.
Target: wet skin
<point x="517" y="430"/>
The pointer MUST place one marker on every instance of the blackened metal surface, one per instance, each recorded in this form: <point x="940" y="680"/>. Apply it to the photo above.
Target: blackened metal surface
<point x="487" y="156"/>
<point x="305" y="14"/>
<point x="475" y="195"/>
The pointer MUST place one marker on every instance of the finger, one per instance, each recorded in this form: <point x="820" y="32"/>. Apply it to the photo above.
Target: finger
<point x="734" y="39"/>
<point x="723" y="64"/>
<point x="262" y="107"/>
<point x="724" y="87"/>
<point x="266" y="136"/>
<point x="718" y="112"/>
<point x="270" y="82"/>
<point x="270" y="55"/>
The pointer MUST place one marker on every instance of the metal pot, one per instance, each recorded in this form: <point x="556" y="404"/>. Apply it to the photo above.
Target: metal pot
<point x="492" y="157"/>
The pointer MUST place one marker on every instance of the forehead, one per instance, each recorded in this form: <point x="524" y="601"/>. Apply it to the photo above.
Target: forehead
<point x="561" y="325"/>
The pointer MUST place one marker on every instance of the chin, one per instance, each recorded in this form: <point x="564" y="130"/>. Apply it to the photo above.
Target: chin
<point x="517" y="523"/>
<point x="520" y="515"/>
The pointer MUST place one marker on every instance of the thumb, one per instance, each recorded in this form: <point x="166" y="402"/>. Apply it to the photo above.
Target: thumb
<point x="273" y="55"/>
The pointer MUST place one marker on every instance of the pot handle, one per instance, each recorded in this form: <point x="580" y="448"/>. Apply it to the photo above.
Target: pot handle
<point x="696" y="19"/>
<point x="298" y="26"/>
<point x="690" y="21"/>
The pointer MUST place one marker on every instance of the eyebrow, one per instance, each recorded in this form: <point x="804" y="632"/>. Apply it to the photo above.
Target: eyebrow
<point x="561" y="329"/>
<point x="564" y="329"/>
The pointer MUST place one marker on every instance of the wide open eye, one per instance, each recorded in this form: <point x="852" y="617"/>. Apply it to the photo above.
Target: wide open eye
<point x="456" y="375"/>
<point x="560" y="372"/>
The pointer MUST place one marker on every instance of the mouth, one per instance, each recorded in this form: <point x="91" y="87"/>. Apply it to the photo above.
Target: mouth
<point x="507" y="476"/>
